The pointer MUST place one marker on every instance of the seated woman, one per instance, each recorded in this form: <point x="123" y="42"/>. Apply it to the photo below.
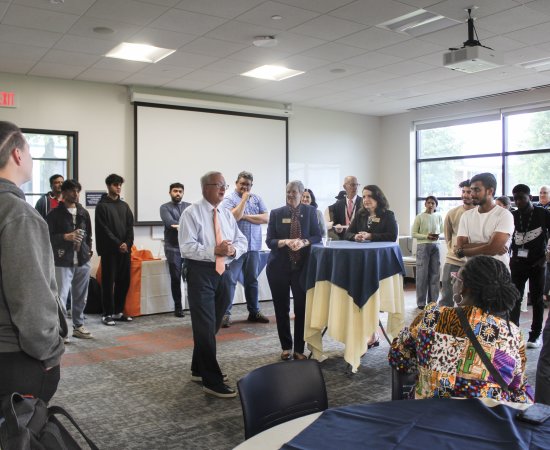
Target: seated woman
<point x="436" y="346"/>
<point x="374" y="221"/>
<point x="308" y="198"/>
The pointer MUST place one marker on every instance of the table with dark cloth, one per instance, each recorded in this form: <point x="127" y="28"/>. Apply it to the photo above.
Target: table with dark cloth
<point x="348" y="284"/>
<point x="415" y="424"/>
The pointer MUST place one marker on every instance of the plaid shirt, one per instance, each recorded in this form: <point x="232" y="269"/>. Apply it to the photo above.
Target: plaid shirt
<point x="252" y="231"/>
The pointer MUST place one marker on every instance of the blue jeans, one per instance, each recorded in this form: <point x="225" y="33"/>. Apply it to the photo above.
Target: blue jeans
<point x="427" y="273"/>
<point x="249" y="264"/>
<point x="74" y="279"/>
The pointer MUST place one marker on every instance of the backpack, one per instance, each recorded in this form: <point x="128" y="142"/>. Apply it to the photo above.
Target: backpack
<point x="28" y="424"/>
<point x="93" y="303"/>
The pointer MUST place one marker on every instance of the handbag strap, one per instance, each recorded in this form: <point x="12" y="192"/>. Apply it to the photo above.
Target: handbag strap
<point x="470" y="333"/>
<point x="53" y="410"/>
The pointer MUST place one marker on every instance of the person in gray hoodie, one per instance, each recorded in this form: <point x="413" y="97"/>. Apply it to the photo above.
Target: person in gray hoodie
<point x="31" y="344"/>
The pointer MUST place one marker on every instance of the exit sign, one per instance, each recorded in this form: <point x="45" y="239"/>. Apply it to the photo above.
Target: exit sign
<point x="7" y="99"/>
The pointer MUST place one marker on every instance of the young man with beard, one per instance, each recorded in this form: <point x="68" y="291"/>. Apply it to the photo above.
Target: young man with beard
<point x="51" y="199"/>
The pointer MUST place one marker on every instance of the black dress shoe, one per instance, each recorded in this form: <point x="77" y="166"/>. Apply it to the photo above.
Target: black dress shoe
<point x="179" y="313"/>
<point x="220" y="391"/>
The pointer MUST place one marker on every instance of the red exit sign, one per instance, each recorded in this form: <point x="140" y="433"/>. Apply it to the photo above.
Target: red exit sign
<point x="7" y="99"/>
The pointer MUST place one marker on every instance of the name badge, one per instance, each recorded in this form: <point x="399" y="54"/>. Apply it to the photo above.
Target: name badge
<point x="523" y="252"/>
<point x="287" y="220"/>
<point x="375" y="219"/>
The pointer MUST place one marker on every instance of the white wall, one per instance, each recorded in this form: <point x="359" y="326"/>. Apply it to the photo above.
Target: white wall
<point x="397" y="158"/>
<point x="320" y="141"/>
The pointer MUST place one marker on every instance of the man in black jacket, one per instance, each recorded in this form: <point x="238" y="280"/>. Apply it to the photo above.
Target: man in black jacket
<point x="51" y="199"/>
<point x="114" y="227"/>
<point x="71" y="238"/>
<point x="344" y="210"/>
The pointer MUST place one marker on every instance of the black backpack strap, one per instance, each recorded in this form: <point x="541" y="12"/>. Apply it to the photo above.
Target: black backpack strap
<point x="470" y="333"/>
<point x="52" y="410"/>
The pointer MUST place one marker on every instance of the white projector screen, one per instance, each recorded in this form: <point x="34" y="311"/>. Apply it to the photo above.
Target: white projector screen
<point x="176" y="144"/>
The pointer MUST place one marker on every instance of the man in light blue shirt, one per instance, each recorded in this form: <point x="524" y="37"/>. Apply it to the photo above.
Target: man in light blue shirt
<point x="250" y="213"/>
<point x="210" y="240"/>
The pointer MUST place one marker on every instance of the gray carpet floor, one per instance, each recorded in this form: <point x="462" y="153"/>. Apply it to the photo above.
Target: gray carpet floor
<point x="130" y="386"/>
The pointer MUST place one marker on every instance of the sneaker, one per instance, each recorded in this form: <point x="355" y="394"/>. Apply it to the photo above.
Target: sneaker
<point x="122" y="318"/>
<point x="226" y="321"/>
<point x="221" y="391"/>
<point x="196" y="377"/>
<point x="179" y="313"/>
<point x="66" y="340"/>
<point x="533" y="342"/>
<point x="258" y="317"/>
<point x="82" y="332"/>
<point x="107" y="320"/>
<point x="69" y="313"/>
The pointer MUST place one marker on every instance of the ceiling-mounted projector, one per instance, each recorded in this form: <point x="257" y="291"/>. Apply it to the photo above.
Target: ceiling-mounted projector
<point x="472" y="59"/>
<point x="472" y="56"/>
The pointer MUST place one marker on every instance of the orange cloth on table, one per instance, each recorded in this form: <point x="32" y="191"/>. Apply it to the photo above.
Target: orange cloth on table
<point x="132" y="305"/>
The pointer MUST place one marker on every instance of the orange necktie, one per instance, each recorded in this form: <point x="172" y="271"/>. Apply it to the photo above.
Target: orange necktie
<point x="220" y="260"/>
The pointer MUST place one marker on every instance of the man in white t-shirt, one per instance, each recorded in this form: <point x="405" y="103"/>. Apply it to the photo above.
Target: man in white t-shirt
<point x="487" y="229"/>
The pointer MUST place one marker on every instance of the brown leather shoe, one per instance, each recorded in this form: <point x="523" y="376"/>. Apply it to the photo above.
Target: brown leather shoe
<point x="299" y="356"/>
<point x="285" y="355"/>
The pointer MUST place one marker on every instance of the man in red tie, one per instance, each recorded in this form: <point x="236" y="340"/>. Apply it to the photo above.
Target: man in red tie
<point x="209" y="239"/>
<point x="344" y="210"/>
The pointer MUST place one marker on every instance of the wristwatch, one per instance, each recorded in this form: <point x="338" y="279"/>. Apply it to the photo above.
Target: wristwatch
<point x="460" y="252"/>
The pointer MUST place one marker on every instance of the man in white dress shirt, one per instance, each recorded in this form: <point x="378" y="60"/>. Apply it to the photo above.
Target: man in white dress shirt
<point x="209" y="239"/>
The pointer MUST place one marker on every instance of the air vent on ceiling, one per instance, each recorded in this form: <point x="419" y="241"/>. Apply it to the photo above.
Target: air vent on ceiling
<point x="418" y="23"/>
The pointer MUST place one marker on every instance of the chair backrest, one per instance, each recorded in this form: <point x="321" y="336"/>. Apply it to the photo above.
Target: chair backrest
<point x="280" y="392"/>
<point x="414" y="247"/>
<point x="402" y="385"/>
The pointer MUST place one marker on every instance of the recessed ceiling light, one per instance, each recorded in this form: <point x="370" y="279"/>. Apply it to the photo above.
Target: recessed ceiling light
<point x="265" y="41"/>
<point x="274" y="73"/>
<point x="337" y="70"/>
<point x="139" y="52"/>
<point x="540" y="65"/>
<point x="103" y="30"/>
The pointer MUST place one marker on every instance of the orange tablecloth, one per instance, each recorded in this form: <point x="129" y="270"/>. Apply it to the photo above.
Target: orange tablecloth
<point x="132" y="306"/>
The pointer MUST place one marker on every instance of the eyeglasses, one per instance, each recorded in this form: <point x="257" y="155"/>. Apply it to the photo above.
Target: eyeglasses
<point x="455" y="278"/>
<point x="353" y="184"/>
<point x="219" y="185"/>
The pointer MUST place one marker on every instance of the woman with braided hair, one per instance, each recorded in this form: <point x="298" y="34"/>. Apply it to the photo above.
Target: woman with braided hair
<point x="436" y="345"/>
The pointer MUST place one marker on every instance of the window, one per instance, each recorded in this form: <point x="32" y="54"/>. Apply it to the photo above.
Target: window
<point x="515" y="147"/>
<point x="53" y="152"/>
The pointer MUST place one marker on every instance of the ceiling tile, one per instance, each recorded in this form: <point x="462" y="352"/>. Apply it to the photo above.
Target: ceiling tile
<point x="407" y="67"/>
<point x="290" y="16"/>
<point x="301" y="62"/>
<point x="162" y="38"/>
<point x="542" y="6"/>
<point x="187" y="85"/>
<point x="85" y="27"/>
<point x="213" y="47"/>
<point x="77" y="7"/>
<point x="209" y="76"/>
<point x="525" y="54"/>
<point x="70" y="58"/>
<point x="373" y="38"/>
<point x="129" y="11"/>
<point x="56" y="70"/>
<point x="147" y="80"/>
<point x="512" y="19"/>
<point x="119" y="65"/>
<point x="240" y="32"/>
<point x="186" y="22"/>
<point x="372" y="12"/>
<point x="453" y="37"/>
<point x="333" y="52"/>
<point x="328" y="28"/>
<point x="227" y="9"/>
<point x="38" y="19"/>
<point x="456" y="9"/>
<point x="38" y="38"/>
<point x="20" y="51"/>
<point x="259" y="56"/>
<point x="16" y="65"/>
<point x="230" y="66"/>
<point x="533" y="35"/>
<point x="503" y="43"/>
<point x="184" y="59"/>
<point x="322" y="6"/>
<point x="102" y="76"/>
<point x="410" y="49"/>
<point x="372" y="60"/>
<point x="165" y="71"/>
<point x="295" y="43"/>
<point x="84" y="45"/>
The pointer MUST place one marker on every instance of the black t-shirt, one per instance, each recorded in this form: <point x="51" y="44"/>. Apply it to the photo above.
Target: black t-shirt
<point x="530" y="233"/>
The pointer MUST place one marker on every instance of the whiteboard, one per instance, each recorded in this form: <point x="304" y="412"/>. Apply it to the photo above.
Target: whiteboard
<point x="177" y="144"/>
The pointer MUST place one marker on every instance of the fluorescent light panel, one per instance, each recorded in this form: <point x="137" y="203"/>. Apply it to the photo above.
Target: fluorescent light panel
<point x="274" y="73"/>
<point x="540" y="65"/>
<point x="418" y="23"/>
<point x="139" y="52"/>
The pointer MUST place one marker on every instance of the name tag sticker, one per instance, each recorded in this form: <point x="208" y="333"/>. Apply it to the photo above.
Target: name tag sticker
<point x="287" y="220"/>
<point x="523" y="252"/>
<point x="376" y="219"/>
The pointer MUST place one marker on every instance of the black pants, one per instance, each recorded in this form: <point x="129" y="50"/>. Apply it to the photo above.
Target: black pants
<point x="28" y="376"/>
<point x="279" y="283"/>
<point x="175" y="267"/>
<point x="521" y="272"/>
<point x="209" y="296"/>
<point x="115" y="281"/>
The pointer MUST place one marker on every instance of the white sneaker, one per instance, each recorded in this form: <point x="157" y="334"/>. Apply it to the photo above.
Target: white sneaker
<point x="534" y="343"/>
<point x="66" y="340"/>
<point x="82" y="332"/>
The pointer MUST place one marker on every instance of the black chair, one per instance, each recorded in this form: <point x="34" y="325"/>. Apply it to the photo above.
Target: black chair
<point x="280" y="392"/>
<point x="402" y="385"/>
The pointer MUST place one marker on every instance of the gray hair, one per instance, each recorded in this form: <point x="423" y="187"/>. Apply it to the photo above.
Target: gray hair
<point x="246" y="175"/>
<point x="206" y="177"/>
<point x="296" y="184"/>
<point x="10" y="138"/>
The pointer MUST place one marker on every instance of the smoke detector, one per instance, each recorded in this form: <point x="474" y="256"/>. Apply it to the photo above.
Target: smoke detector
<point x="265" y="41"/>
